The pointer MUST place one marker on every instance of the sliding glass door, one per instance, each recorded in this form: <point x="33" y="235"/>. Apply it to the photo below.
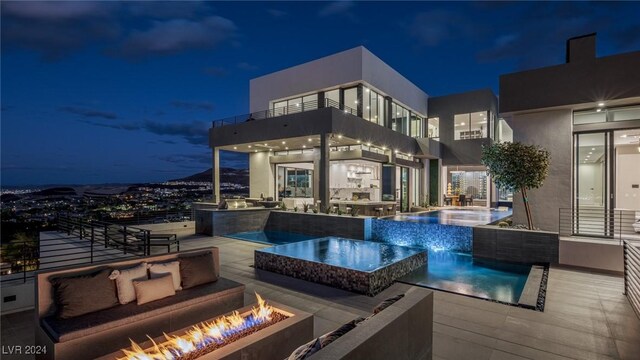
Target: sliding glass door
<point x="593" y="200"/>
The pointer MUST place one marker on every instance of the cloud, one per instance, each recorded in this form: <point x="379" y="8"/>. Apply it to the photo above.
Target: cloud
<point x="277" y="13"/>
<point x="167" y="9"/>
<point x="88" y="113"/>
<point x="176" y="35"/>
<point x="535" y="35"/>
<point x="215" y="71"/>
<point x="246" y="66"/>
<point x="56" y="29"/>
<point x="432" y="28"/>
<point x="201" y="158"/>
<point x="195" y="132"/>
<point x="193" y="105"/>
<point x="57" y="11"/>
<point x="335" y="8"/>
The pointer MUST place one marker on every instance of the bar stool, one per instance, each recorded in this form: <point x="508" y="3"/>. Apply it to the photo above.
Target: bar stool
<point x="390" y="209"/>
<point x="447" y="200"/>
<point x="379" y="211"/>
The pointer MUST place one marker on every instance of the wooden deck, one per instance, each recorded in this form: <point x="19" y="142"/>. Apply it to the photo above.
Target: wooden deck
<point x="586" y="316"/>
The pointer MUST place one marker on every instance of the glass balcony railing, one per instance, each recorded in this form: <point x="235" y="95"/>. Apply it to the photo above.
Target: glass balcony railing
<point x="281" y="111"/>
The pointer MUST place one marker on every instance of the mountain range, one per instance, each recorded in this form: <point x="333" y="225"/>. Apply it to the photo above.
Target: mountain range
<point x="228" y="175"/>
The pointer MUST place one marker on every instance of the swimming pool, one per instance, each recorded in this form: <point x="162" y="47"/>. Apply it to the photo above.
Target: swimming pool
<point x="354" y="265"/>
<point x="457" y="217"/>
<point x="446" y="229"/>
<point x="271" y="237"/>
<point x="460" y="274"/>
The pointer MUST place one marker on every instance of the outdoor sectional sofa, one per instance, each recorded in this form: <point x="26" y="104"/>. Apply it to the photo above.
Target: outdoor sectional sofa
<point x="105" y="331"/>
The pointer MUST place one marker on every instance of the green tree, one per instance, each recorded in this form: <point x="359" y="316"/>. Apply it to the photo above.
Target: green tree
<point x="22" y="252"/>
<point x="517" y="167"/>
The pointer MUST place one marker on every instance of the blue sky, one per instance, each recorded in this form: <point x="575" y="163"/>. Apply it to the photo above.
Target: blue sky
<point x="96" y="92"/>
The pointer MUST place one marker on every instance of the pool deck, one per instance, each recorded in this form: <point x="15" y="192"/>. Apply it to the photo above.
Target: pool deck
<point x="586" y="316"/>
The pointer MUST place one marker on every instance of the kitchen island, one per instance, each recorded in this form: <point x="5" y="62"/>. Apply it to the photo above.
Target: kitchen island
<point x="366" y="207"/>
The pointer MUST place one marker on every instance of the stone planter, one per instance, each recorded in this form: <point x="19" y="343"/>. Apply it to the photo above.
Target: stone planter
<point x="515" y="245"/>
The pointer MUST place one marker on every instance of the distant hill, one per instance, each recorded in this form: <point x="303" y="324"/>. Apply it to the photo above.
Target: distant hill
<point x="57" y="191"/>
<point x="229" y="175"/>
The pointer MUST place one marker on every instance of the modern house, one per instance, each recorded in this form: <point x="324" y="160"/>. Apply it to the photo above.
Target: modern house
<point x="348" y="127"/>
<point x="586" y="112"/>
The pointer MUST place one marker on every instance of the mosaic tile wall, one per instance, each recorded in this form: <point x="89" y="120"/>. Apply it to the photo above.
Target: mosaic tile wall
<point x="368" y="283"/>
<point x="424" y="235"/>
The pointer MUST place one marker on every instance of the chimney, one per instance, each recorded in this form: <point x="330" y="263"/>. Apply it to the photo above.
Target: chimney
<point x="581" y="48"/>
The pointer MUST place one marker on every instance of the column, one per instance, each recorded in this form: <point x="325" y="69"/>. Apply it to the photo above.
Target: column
<point x="389" y="113"/>
<point x="321" y="101"/>
<point x="323" y="170"/>
<point x="359" y="94"/>
<point x="215" y="168"/>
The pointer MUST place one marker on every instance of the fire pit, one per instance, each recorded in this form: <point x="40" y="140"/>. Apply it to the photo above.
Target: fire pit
<point x="261" y="331"/>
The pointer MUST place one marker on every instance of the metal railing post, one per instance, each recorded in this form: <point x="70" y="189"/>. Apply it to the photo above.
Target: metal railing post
<point x="24" y="262"/>
<point x="93" y="235"/>
<point x="124" y="234"/>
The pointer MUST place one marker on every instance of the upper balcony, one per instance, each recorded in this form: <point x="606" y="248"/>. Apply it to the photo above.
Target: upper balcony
<point x="309" y="119"/>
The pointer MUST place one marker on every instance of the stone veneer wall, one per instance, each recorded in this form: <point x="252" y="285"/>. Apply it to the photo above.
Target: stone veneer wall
<point x="349" y="227"/>
<point x="368" y="283"/>
<point x="425" y="235"/>
<point x="522" y="246"/>
<point x="222" y="222"/>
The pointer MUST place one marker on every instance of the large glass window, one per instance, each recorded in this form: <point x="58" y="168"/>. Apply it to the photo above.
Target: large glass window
<point x="295" y="182"/>
<point x="309" y="102"/>
<point x="505" y="133"/>
<point x="601" y="115"/>
<point x="294" y="105"/>
<point x="373" y="106"/>
<point x="622" y="114"/>
<point x="433" y="127"/>
<point x="589" y="117"/>
<point x="416" y="125"/>
<point x="468" y="181"/>
<point x="332" y="98"/>
<point x="351" y="100"/>
<point x="399" y="119"/>
<point x="471" y="126"/>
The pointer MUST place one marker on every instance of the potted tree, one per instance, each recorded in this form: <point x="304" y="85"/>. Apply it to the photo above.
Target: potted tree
<point x="517" y="167"/>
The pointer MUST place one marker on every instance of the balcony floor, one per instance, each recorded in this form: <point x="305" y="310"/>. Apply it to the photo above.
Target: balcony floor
<point x="586" y="316"/>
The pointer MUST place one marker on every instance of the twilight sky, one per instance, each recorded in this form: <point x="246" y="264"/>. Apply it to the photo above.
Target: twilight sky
<point x="96" y="92"/>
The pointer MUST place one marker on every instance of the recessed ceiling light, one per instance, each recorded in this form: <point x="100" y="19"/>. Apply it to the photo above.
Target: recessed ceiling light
<point x="598" y="110"/>
<point x="235" y="148"/>
<point x="265" y="144"/>
<point x="593" y="149"/>
<point x="286" y="148"/>
<point x="304" y="146"/>
<point x="590" y="153"/>
<point x="601" y="104"/>
<point x="384" y="148"/>
<point x="623" y="135"/>
<point x="358" y="141"/>
<point x="255" y="150"/>
<point x="397" y="151"/>
<point x="309" y="139"/>
<point x="339" y="136"/>
<point x="284" y="142"/>
<point x="368" y="144"/>
<point x="249" y="146"/>
<point x="462" y="123"/>
<point x="355" y="102"/>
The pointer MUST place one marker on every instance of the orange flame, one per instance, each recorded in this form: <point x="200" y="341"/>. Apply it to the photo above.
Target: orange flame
<point x="200" y="335"/>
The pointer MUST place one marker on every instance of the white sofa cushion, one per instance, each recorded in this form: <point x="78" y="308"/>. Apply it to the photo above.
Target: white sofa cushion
<point x="124" y="281"/>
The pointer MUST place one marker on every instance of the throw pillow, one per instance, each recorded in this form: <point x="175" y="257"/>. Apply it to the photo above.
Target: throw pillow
<point x="305" y="350"/>
<point x="197" y="270"/>
<point x="153" y="289"/>
<point x="124" y="280"/>
<point x="332" y="336"/>
<point x="386" y="303"/>
<point x="160" y="269"/>
<point x="83" y="294"/>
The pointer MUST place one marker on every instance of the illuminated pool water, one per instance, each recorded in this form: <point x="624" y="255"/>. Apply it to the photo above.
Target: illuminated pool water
<point x="271" y="237"/>
<point x="457" y="217"/>
<point x="345" y="253"/>
<point x="447" y="229"/>
<point x="460" y="274"/>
